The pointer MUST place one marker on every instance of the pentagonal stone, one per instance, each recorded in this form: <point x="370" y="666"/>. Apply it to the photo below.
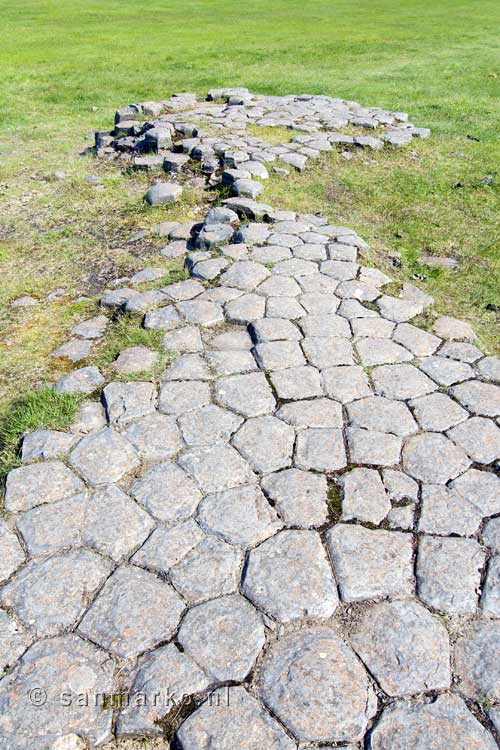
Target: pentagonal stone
<point x="401" y="382"/>
<point x="319" y="412"/>
<point x="144" y="301"/>
<point x="216" y="468"/>
<point x="339" y="251"/>
<point x="489" y="368"/>
<point x="446" y="371"/>
<point x="224" y="636"/>
<point x="90" y="418"/>
<point x="246" y="308"/>
<point x="284" y="238"/>
<point x="220" y="294"/>
<point x="449" y="572"/>
<point x="346" y="384"/>
<point x="274" y="329"/>
<point x="437" y="412"/>
<point x="266" y="443"/>
<point x="491" y="534"/>
<point x="479" y="437"/>
<point x="245" y="275"/>
<point x="405" y="648"/>
<point x="372" y="447"/>
<point x="93" y="328"/>
<point x="277" y="355"/>
<point x="289" y="577"/>
<point x="14" y="640"/>
<point x="33" y="485"/>
<point x="49" y="527"/>
<point x="420" y="342"/>
<point x="231" y="362"/>
<point x="134" y="360"/>
<point x="74" y="350"/>
<point x="270" y="254"/>
<point x="371" y="564"/>
<point x="179" y="397"/>
<point x="288" y="683"/>
<point x="295" y="267"/>
<point x="431" y="457"/>
<point x="167" y="492"/>
<point x="377" y="328"/>
<point x="11" y="552"/>
<point x="320" y="449"/>
<point x="481" y="488"/>
<point x="114" y="524"/>
<point x="325" y="326"/>
<point x="164" y="319"/>
<point x="478" y="397"/>
<point x="461" y="351"/>
<point x="490" y="599"/>
<point x="200" y="312"/>
<point x="248" y="394"/>
<point x="399" y="310"/>
<point x="223" y="561"/>
<point x="164" y="666"/>
<point x="352" y="309"/>
<point x="228" y="340"/>
<point x="84" y="380"/>
<point x="239" y="721"/>
<point x="188" y="367"/>
<point x="168" y="546"/>
<point x="327" y="351"/>
<point x="312" y="251"/>
<point x="339" y="269"/>
<point x="317" y="303"/>
<point x="279" y="286"/>
<point x="209" y="269"/>
<point x="284" y="307"/>
<point x="358" y="290"/>
<point x="134" y="611"/>
<point x="239" y="516"/>
<point x="300" y="497"/>
<point x="381" y="351"/>
<point x="46" y="444"/>
<point x="183" y="290"/>
<point x="296" y="383"/>
<point x="155" y="437"/>
<point x="105" y="457"/>
<point x="209" y="425"/>
<point x="476" y="662"/>
<point x="125" y="402"/>
<point x="436" y="725"/>
<point x="65" y="668"/>
<point x="291" y="227"/>
<point x="383" y="415"/>
<point x="318" y="283"/>
<point x="183" y="340"/>
<point x="364" y="497"/>
<point x="446" y="512"/>
<point x="49" y="596"/>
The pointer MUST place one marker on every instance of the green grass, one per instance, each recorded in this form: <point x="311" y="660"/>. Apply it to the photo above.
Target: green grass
<point x="66" y="65"/>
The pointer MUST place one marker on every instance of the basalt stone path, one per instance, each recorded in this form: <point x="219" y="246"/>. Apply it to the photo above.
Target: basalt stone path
<point x="298" y="530"/>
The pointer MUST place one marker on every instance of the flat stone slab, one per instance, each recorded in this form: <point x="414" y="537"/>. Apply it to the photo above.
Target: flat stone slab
<point x="248" y="394"/>
<point x="167" y="492"/>
<point x="300" y="497"/>
<point x="266" y="443"/>
<point x="216" y="468"/>
<point x="33" y="485"/>
<point x="105" y="457"/>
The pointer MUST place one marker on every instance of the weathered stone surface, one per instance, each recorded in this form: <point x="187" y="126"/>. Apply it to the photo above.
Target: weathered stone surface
<point x="446" y="512"/>
<point x="479" y="437"/>
<point x="445" y="371"/>
<point x="245" y="275"/>
<point x="284" y="307"/>
<point x="90" y="418"/>
<point x="289" y="577"/>
<point x="155" y="437"/>
<point x="200" y="312"/>
<point x="74" y="350"/>
<point x="370" y="564"/>
<point x="84" y="380"/>
<point x="476" y="662"/>
<point x="398" y="310"/>
<point x="319" y="412"/>
<point x="134" y="611"/>
<point x="234" y="339"/>
<point x="372" y="447"/>
<point x="452" y="328"/>
<point x="63" y="666"/>
<point x="404" y="647"/>
<point x="14" y="640"/>
<point x="231" y="362"/>
<point x="249" y="394"/>
<point x="324" y="352"/>
<point x="168" y="546"/>
<point x="144" y="301"/>
<point x="179" y="397"/>
<point x="93" y="328"/>
<point x="489" y="368"/>
<point x="167" y="492"/>
<point x="318" y="303"/>
<point x="163" y="192"/>
<point x="164" y="319"/>
<point x="208" y="425"/>
<point x="50" y="595"/>
<point x="296" y="383"/>
<point x="52" y="526"/>
<point x="320" y="449"/>
<point x="358" y="290"/>
<point x="274" y="329"/>
<point x="246" y="308"/>
<point x="346" y="384"/>
<point x="266" y="443"/>
<point x="437" y="412"/>
<point x="490" y="599"/>
<point x="448" y="573"/>
<point x="105" y="457"/>
<point x="216" y="468"/>
<point x="288" y="683"/>
<point x="364" y="496"/>
<point x="373" y="351"/>
<point x="300" y="497"/>
<point x="382" y="415"/>
<point x="224" y="636"/>
<point x="431" y="457"/>
<point x="238" y="721"/>
<point x="184" y="340"/>
<point x="278" y="355"/>
<point x="479" y="398"/>
<point x="401" y="382"/>
<point x="211" y="568"/>
<point x="134" y="360"/>
<point x="125" y="402"/>
<point x="443" y="723"/>
<point x="481" y="488"/>
<point x="330" y="325"/>
<point x="462" y="351"/>
<point x="11" y="552"/>
<point x="47" y="482"/>
<point x="188" y="367"/>
<point x="420" y="342"/>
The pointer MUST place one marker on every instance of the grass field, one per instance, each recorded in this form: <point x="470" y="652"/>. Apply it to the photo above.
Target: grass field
<point x="66" y="65"/>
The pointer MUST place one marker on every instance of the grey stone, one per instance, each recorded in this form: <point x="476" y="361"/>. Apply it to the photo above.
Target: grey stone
<point x="210" y="555"/>
<point x="481" y="488"/>
<point x="188" y="367"/>
<point x="491" y="534"/>
<point x="252" y="234"/>
<point x="364" y="497"/>
<point x="445" y="371"/>
<point x="278" y="355"/>
<point x="134" y="360"/>
<point x="274" y="329"/>
<point x="460" y="351"/>
<point x="319" y="412"/>
<point x="14" y="640"/>
<point x="309" y="251"/>
<point x="90" y="418"/>
<point x="168" y="546"/>
<point x="52" y="594"/>
<point x="239" y="721"/>
<point x="320" y="449"/>
<point x="317" y="283"/>
<point x="104" y="457"/>
<point x="490" y="599"/>
<point x="63" y="666"/>
<point x="479" y="398"/>
<point x="24" y="301"/>
<point x="148" y="274"/>
<point x="404" y="647"/>
<point x="167" y="492"/>
<point x="47" y="482"/>
<point x="245" y="309"/>
<point x="266" y="443"/>
<point x="476" y="662"/>
<point x="451" y="328"/>
<point x="208" y="270"/>
<point x="84" y="380"/>
<point x="125" y="402"/>
<point x="165" y="319"/>
<point x="296" y="383"/>
<point x="279" y="286"/>
<point x="46" y="444"/>
<point x="117" y="297"/>
<point x="373" y="448"/>
<point x="271" y="254"/>
<point x="381" y="351"/>
<point x="228" y="340"/>
<point x="208" y="425"/>
<point x="50" y="527"/>
<point x="401" y="382"/>
<point x="284" y="307"/>
<point x="382" y="415"/>
<point x="437" y="725"/>
<point x="163" y="192"/>
<point x="200" y="312"/>
<point x="346" y="384"/>
<point x="74" y="350"/>
<point x="371" y="564"/>
<point x="339" y="251"/>
<point x="376" y="328"/>
<point x="489" y="368"/>
<point x="479" y="438"/>
<point x="325" y="352"/>
<point x="432" y="457"/>
<point x="247" y="188"/>
<point x="358" y="290"/>
<point x="183" y="290"/>
<point x="144" y="301"/>
<point x="155" y="437"/>
<point x="221" y="215"/>
<point x="300" y="497"/>
<point x="448" y="573"/>
<point x="175" y="249"/>
<point x="179" y="397"/>
<point x="216" y="468"/>
<point x="446" y="512"/>
<point x="11" y="552"/>
<point x="248" y="394"/>
<point x="339" y="269"/>
<point x="437" y="412"/>
<point x="93" y="328"/>
<point x="325" y="325"/>
<point x="295" y="267"/>
<point x="245" y="275"/>
<point x="352" y="309"/>
<point x="288" y="683"/>
<point x="231" y="362"/>
<point x="319" y="303"/>
<point x="398" y="310"/>
<point x="289" y="577"/>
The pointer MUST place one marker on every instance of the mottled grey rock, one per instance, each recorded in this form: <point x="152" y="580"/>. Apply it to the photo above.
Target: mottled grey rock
<point x="50" y="527"/>
<point x="296" y="383"/>
<point x="248" y="394"/>
<point x="364" y="497"/>
<point x="289" y="577"/>
<point x="328" y="351"/>
<point x="14" y="640"/>
<point x="167" y="492"/>
<point x="125" y="402"/>
<point x="288" y="683"/>
<point x="117" y="297"/>
<point x="46" y="444"/>
<point x="245" y="309"/>
<point x="148" y="274"/>
<point x="40" y="483"/>
<point x="376" y="328"/>
<point x="339" y="269"/>
<point x="105" y="457"/>
<point x="358" y="290"/>
<point x="294" y="267"/>
<point x="352" y="310"/>
<point x="325" y="325"/>
<point x="64" y="667"/>
<point x="216" y="468"/>
<point x="398" y="310"/>
<point x="168" y="546"/>
<point x="490" y="599"/>
<point x="446" y="512"/>
<point x="84" y="380"/>
<point x="93" y="328"/>
<point x="188" y="367"/>
<point x="278" y="355"/>
<point x="318" y="283"/>
<point x="491" y="534"/>
<point x="271" y="254"/>
<point x="274" y="329"/>
<point x="155" y="437"/>
<point x="319" y="412"/>
<point x="133" y="612"/>
<point x="90" y="418"/>
<point x="346" y="384"/>
<point x="462" y="351"/>
<point x="437" y="412"/>
<point x="284" y="307"/>
<point x="451" y="328"/>
<point x="382" y="415"/>
<point x="238" y="721"/>
<point x="134" y="360"/>
<point x="314" y="252"/>
<point x="208" y="425"/>
<point x="163" y="192"/>
<point x="74" y="350"/>
<point x="476" y="661"/>
<point x="144" y="301"/>
<point x="432" y="457"/>
<point x="489" y="368"/>
<point x="200" y="312"/>
<point x="11" y="552"/>
<point x="209" y="269"/>
<point x="24" y="301"/>
<point x="381" y="351"/>
<point x="445" y="371"/>
<point x="300" y="497"/>
<point x="51" y="594"/>
<point x="443" y="723"/>
<point x="320" y="449"/>
<point x="479" y="437"/>
<point x="404" y="647"/>
<point x="372" y="447"/>
<point x="370" y="564"/>
<point x="183" y="290"/>
<point x="164" y="319"/>
<point x="223" y="561"/>
<point x="481" y="488"/>
<point x="319" y="303"/>
<point x="479" y="398"/>
<point x="448" y="573"/>
<point x="236" y="339"/>
<point x="252" y="234"/>
<point x="279" y="286"/>
<point x="402" y="382"/>
<point x="179" y="397"/>
<point x="266" y="443"/>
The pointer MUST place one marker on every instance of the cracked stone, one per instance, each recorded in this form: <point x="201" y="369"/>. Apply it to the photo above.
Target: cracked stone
<point x="364" y="496"/>
<point x="481" y="488"/>
<point x="33" y="485"/>
<point x="187" y="367"/>
<point x="377" y="328"/>
<point x="489" y="368"/>
<point x="46" y="444"/>
<point x="209" y="269"/>
<point x="49" y="527"/>
<point x="248" y="394"/>
<point x="167" y="492"/>
<point x="231" y="362"/>
<point x="300" y="497"/>
<point x="168" y="546"/>
<point x="245" y="275"/>
<point x="325" y="326"/>
<point x="491" y="534"/>
<point x="346" y="384"/>
<point x="274" y="329"/>
<point x="320" y="449"/>
<point x="223" y="561"/>
<point x="125" y="402"/>
<point x="216" y="468"/>
<point x="295" y="267"/>
<point x="446" y="512"/>
<point x="277" y="355"/>
<point x="339" y="269"/>
<point x="200" y="312"/>
<point x="284" y="307"/>
<point x="183" y="290"/>
<point x="319" y="412"/>
<point x="183" y="341"/>
<point x="476" y="664"/>
<point x="431" y="457"/>
<point x="401" y="382"/>
<point x="104" y="457"/>
<point x="461" y="351"/>
<point x="279" y="286"/>
<point x="229" y="340"/>
<point x="134" y="360"/>
<point x="314" y="252"/>
<point x="317" y="303"/>
<point x="164" y="319"/>
<point x="398" y="310"/>
<point x="479" y="398"/>
<point x="266" y="443"/>
<point x="490" y="599"/>
<point x="383" y="415"/>
<point x="328" y="352"/>
<point x="318" y="283"/>
<point x="179" y="397"/>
